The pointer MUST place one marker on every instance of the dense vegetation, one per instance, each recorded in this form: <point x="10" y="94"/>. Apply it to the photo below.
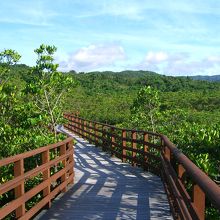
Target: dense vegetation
<point x="186" y="110"/>
<point x="109" y="96"/>
<point x="31" y="101"/>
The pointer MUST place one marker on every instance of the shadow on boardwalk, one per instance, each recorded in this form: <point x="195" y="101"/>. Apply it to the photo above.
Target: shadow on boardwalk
<point x="105" y="188"/>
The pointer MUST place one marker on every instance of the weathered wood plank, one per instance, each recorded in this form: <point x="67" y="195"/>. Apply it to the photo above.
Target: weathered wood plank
<point x="106" y="188"/>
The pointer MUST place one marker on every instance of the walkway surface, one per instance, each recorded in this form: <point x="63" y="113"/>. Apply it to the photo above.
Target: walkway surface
<point x="106" y="188"/>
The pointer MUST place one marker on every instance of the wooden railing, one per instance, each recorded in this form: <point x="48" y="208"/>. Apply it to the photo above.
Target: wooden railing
<point x="37" y="177"/>
<point x="140" y="148"/>
<point x="189" y="189"/>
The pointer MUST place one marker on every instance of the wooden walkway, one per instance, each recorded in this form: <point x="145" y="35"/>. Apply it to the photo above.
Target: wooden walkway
<point x="106" y="188"/>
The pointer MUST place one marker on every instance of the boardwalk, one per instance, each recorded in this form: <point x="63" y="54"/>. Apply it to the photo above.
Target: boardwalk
<point x="106" y="188"/>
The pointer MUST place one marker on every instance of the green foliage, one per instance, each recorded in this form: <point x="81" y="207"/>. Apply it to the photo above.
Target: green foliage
<point x="22" y="126"/>
<point x="145" y="109"/>
<point x="47" y="88"/>
<point x="109" y="95"/>
<point x="30" y="108"/>
<point x="7" y="58"/>
<point x="199" y="141"/>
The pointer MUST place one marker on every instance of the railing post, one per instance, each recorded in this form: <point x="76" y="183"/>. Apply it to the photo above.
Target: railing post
<point x="90" y="131"/>
<point x="46" y="175"/>
<point x="93" y="132"/>
<point x="77" y="125"/>
<point x="112" y="141"/>
<point x="69" y="124"/>
<point x="19" y="190"/>
<point x="80" y="127"/>
<point x="73" y="123"/>
<point x="96" y="133"/>
<point x="64" y="176"/>
<point x="181" y="172"/>
<point x="85" y="129"/>
<point x="70" y="117"/>
<point x="199" y="201"/>
<point x="123" y="146"/>
<point x="103" y="138"/>
<point x="146" y="139"/>
<point x="134" y="147"/>
<point x="71" y="159"/>
<point x="167" y="153"/>
<point x="165" y="150"/>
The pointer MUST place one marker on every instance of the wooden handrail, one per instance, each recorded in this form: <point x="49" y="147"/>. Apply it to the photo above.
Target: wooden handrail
<point x="111" y="139"/>
<point x="156" y="153"/>
<point x="50" y="185"/>
<point x="203" y="185"/>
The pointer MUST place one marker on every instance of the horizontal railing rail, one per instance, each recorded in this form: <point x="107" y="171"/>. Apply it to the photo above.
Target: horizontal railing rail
<point x="190" y="191"/>
<point x="188" y="186"/>
<point x="36" y="177"/>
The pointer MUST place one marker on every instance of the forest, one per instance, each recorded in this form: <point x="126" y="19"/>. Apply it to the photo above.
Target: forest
<point x="33" y="99"/>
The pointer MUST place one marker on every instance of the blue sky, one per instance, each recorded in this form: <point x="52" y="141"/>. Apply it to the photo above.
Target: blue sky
<point x="172" y="37"/>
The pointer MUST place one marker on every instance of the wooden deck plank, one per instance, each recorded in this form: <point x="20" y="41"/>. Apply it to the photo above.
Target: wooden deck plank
<point x="106" y="188"/>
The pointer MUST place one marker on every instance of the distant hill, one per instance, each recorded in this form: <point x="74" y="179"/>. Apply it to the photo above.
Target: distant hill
<point x="215" y="78"/>
<point x="109" y="82"/>
<point x="134" y="80"/>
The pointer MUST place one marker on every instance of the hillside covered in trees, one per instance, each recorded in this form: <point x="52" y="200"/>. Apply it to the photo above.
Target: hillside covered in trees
<point x="109" y="95"/>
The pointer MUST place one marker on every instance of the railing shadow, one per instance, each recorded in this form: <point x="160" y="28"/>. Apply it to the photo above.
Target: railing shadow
<point x="105" y="188"/>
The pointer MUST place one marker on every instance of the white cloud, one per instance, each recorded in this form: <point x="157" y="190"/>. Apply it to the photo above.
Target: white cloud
<point x="179" y="64"/>
<point x="93" y="57"/>
<point x="207" y="65"/>
<point x="157" y="57"/>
